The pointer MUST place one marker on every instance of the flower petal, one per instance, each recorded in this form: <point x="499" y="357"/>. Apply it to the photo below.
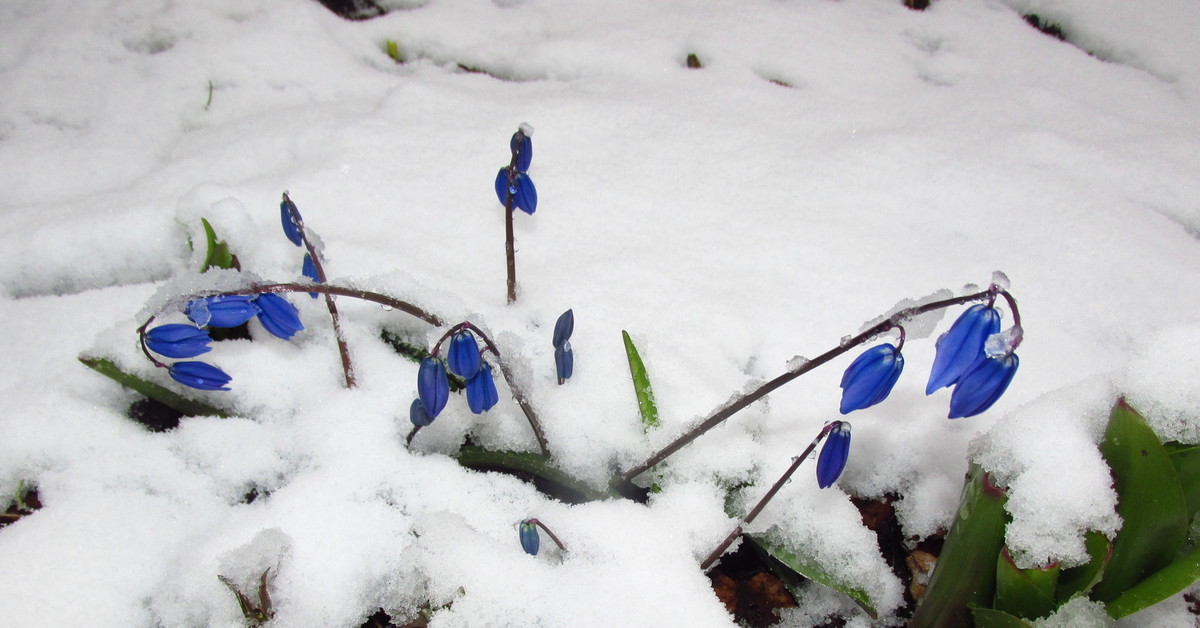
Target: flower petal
<point x="563" y="328"/>
<point x="221" y="310"/>
<point x="199" y="375"/>
<point x="564" y="362"/>
<point x="481" y="390"/>
<point x="959" y="348"/>
<point x="418" y="415"/>
<point x="278" y="316"/>
<point x="463" y="356"/>
<point x="982" y="386"/>
<point x="530" y="539"/>
<point x="834" y="454"/>
<point x="288" y="214"/>
<point x="433" y="387"/>
<point x="177" y="340"/>
<point x="525" y="198"/>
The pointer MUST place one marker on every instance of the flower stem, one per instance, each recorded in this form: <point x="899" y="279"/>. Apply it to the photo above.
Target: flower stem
<point x="739" y="402"/>
<point x="509" y="246"/>
<point x="737" y="531"/>
<point x="553" y="537"/>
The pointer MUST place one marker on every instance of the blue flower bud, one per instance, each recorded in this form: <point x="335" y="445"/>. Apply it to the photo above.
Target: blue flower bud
<point x="288" y="214"/>
<point x="199" y="375"/>
<point x="524" y="153"/>
<point x="833" y="456"/>
<point x="959" y="348"/>
<point x="870" y="378"/>
<point x="221" y="311"/>
<point x="502" y="189"/>
<point x="433" y="387"/>
<point x="563" y="328"/>
<point x="481" y="390"/>
<point x="530" y="539"/>
<point x="525" y="195"/>
<point x="178" y="341"/>
<point x="564" y="362"/>
<point x="278" y="316"/>
<point x="309" y="269"/>
<point x="418" y="415"/>
<point x="982" y="386"/>
<point x="463" y="356"/>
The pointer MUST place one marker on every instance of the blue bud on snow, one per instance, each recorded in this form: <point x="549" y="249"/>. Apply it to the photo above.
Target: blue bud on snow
<point x="199" y="375"/>
<point x="433" y="388"/>
<point x="959" y="348"/>
<point x="564" y="362"/>
<point x="982" y="386"/>
<point x="870" y="378"/>
<point x="463" y="356"/>
<point x="524" y="151"/>
<point x="221" y="310"/>
<point x="418" y="415"/>
<point x="563" y="328"/>
<point x="530" y="539"/>
<point x="833" y="456"/>
<point x="481" y="390"/>
<point x="288" y="214"/>
<point x="278" y="316"/>
<point x="177" y="340"/>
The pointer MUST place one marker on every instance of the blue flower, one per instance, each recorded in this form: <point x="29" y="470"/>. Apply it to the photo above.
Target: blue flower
<point x="959" y="348"/>
<point x="463" y="356"/>
<point x="982" y="386"/>
<point x="289" y="216"/>
<point x="481" y="390"/>
<point x="221" y="310"/>
<point x="524" y="152"/>
<point x="522" y="191"/>
<point x="199" y="375"/>
<point x="278" y="316"/>
<point x="833" y="455"/>
<point x="177" y="340"/>
<point x="418" y="415"/>
<point x="433" y="387"/>
<point x="530" y="539"/>
<point x="563" y="328"/>
<point x="309" y="269"/>
<point x="870" y="377"/>
<point x="564" y="362"/>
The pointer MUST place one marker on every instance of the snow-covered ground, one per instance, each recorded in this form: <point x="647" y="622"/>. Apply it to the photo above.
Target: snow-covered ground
<point x="829" y="160"/>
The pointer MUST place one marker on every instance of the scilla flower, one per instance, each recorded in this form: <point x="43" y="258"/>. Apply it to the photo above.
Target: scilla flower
<point x="463" y="356"/>
<point x="564" y="359"/>
<point x="418" y="415"/>
<point x="531" y="541"/>
<point x="959" y="348"/>
<point x="309" y="269"/>
<point x="433" y="387"/>
<point x="521" y="189"/>
<point x="871" y="377"/>
<point x="834" y="453"/>
<point x="199" y="375"/>
<point x="178" y="341"/>
<point x="278" y="316"/>
<point x="221" y="310"/>
<point x="290" y="216"/>
<point x="481" y="390"/>
<point x="982" y="386"/>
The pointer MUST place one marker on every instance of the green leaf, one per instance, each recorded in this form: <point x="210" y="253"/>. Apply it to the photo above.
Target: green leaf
<point x="189" y="407"/>
<point x="530" y="464"/>
<point x="1150" y="501"/>
<point x="1186" y="459"/>
<point x="1159" y="586"/>
<point x="990" y="618"/>
<point x="1027" y="593"/>
<point x="217" y="253"/>
<point x="393" y="50"/>
<point x="966" y="569"/>
<point x="641" y="385"/>
<point x="809" y="568"/>
<point x="1080" y="580"/>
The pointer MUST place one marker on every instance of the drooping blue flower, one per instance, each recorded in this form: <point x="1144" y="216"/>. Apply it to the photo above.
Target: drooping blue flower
<point x="481" y="390"/>
<point x="959" y="348"/>
<point x="563" y="328"/>
<point x="418" y="415"/>
<point x="199" y="375"/>
<point x="177" y="340"/>
<point x="524" y="152"/>
<point x="530" y="539"/>
<point x="522" y="190"/>
<point x="288" y="215"/>
<point x="982" y="386"/>
<point x="833" y="456"/>
<point x="463" y="356"/>
<point x="309" y="269"/>
<point x="564" y="362"/>
<point x="433" y="387"/>
<point x="221" y="310"/>
<point x="870" y="377"/>
<point x="278" y="316"/>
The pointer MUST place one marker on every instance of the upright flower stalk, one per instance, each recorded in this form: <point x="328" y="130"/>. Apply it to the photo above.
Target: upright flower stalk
<point x="293" y="228"/>
<point x="977" y="393"/>
<point x="515" y="190"/>
<point x="829" y="466"/>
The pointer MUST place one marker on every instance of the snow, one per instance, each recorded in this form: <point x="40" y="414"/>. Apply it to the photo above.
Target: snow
<point x="832" y="162"/>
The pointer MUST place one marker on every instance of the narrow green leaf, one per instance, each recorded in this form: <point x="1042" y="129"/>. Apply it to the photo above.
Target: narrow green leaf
<point x="809" y="568"/>
<point x="1080" y="580"/>
<point x="641" y="385"/>
<point x="189" y="407"/>
<point x="217" y="253"/>
<point x="1159" y="586"/>
<point x="991" y="618"/>
<point x="393" y="51"/>
<point x="1027" y="593"/>
<point x="524" y="463"/>
<point x="1186" y="459"/>
<point x="1150" y="501"/>
<point x="966" y="570"/>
